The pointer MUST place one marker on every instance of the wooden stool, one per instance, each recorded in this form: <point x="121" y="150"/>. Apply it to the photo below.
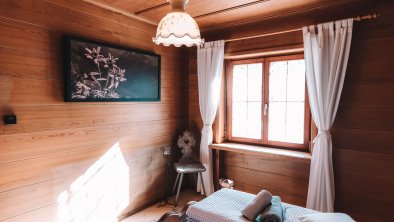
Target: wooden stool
<point x="181" y="169"/>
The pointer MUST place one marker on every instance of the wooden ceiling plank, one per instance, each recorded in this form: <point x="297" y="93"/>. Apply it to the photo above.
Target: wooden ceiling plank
<point x="199" y="7"/>
<point x="118" y="10"/>
<point x="133" y="6"/>
<point x="152" y="8"/>
<point x="260" y="12"/>
<point x="230" y="9"/>
<point x="148" y="5"/>
<point x="217" y="14"/>
<point x="221" y="14"/>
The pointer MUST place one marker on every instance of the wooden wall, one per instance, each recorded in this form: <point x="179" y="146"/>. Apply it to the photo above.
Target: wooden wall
<point x="195" y="123"/>
<point x="98" y="159"/>
<point x="363" y="132"/>
<point x="284" y="176"/>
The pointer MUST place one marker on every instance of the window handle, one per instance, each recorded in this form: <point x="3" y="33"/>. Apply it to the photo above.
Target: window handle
<point x="265" y="109"/>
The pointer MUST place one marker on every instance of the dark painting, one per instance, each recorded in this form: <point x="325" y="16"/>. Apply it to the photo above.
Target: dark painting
<point x="102" y="72"/>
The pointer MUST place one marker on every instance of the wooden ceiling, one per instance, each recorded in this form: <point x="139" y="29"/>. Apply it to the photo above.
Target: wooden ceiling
<point x="216" y="14"/>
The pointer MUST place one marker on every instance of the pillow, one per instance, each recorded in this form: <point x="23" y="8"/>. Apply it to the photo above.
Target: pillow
<point x="257" y="205"/>
<point x="273" y="212"/>
<point x="325" y="217"/>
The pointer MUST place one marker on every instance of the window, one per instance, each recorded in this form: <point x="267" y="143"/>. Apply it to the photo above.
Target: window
<point x="267" y="102"/>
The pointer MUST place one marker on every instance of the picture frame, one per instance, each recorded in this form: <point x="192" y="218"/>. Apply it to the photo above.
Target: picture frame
<point x="102" y="72"/>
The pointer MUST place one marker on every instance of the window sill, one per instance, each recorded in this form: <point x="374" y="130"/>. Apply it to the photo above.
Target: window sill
<point x="261" y="151"/>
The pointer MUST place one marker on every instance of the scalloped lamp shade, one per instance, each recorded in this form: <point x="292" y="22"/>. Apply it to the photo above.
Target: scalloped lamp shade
<point x="178" y="28"/>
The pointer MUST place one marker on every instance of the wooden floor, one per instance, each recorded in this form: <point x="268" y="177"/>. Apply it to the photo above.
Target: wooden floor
<point x="153" y="213"/>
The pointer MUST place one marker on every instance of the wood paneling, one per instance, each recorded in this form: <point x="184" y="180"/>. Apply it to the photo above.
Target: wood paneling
<point x="362" y="72"/>
<point x="212" y="15"/>
<point x="280" y="165"/>
<point x="194" y="117"/>
<point x="252" y="168"/>
<point x="300" y="201"/>
<point x="57" y="147"/>
<point x="45" y="168"/>
<point x="286" y="39"/>
<point x="285" y="22"/>
<point x="376" y="118"/>
<point x="379" y="141"/>
<point x="363" y="133"/>
<point x="268" y="181"/>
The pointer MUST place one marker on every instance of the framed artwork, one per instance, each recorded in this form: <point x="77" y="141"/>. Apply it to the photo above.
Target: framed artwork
<point x="96" y="71"/>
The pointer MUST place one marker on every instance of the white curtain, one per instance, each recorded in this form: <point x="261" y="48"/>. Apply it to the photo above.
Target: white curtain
<point x="327" y="49"/>
<point x="210" y="58"/>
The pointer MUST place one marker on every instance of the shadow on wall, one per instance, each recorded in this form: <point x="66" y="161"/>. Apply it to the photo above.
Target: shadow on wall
<point x="100" y="194"/>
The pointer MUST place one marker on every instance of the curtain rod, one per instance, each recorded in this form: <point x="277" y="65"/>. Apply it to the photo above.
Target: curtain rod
<point x="358" y="18"/>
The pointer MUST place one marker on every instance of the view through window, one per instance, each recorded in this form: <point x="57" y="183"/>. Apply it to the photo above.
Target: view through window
<point x="268" y="101"/>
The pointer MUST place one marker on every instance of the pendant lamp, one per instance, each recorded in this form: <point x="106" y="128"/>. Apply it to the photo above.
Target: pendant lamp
<point x="178" y="28"/>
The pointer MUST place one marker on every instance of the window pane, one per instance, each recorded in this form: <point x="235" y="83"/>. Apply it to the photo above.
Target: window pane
<point x="295" y="122"/>
<point x="247" y="99"/>
<point x="296" y="81"/>
<point x="277" y="82"/>
<point x="255" y="81"/>
<point x="286" y="101"/>
<point x="240" y="83"/>
<point x="239" y="128"/>
<point x="254" y="120"/>
<point x="240" y="111"/>
<point x="277" y="121"/>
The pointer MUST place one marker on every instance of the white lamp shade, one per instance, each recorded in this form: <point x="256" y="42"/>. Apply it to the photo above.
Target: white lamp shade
<point x="178" y="28"/>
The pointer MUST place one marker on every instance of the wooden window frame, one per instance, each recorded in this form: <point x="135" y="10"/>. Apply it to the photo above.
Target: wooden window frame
<point x="230" y="100"/>
<point x="265" y="95"/>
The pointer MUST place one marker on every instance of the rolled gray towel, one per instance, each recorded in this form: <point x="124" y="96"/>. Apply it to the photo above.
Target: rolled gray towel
<point x="257" y="205"/>
<point x="274" y="212"/>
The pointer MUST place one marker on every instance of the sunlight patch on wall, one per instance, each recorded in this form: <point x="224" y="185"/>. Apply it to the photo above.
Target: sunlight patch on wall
<point x="100" y="194"/>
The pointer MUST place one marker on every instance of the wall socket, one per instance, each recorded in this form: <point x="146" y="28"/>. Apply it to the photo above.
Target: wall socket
<point x="9" y="119"/>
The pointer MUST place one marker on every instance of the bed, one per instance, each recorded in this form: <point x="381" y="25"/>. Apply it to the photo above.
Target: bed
<point x="225" y="205"/>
